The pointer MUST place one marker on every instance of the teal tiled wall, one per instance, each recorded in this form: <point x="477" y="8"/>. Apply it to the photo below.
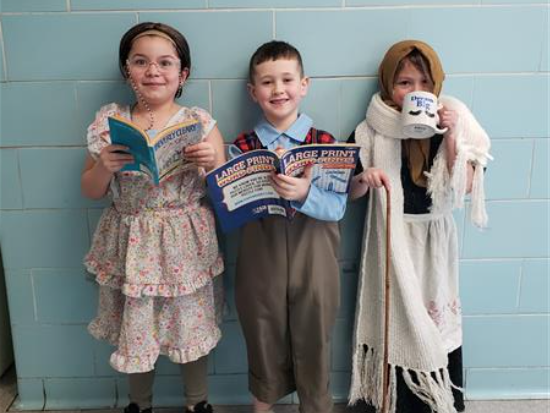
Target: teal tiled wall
<point x="58" y="66"/>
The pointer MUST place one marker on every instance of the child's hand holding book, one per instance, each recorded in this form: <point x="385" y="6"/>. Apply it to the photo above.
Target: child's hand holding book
<point x="113" y="158"/>
<point x="293" y="188"/>
<point x="201" y="154"/>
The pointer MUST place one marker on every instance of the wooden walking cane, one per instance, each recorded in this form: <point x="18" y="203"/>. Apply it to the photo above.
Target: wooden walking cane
<point x="386" y="367"/>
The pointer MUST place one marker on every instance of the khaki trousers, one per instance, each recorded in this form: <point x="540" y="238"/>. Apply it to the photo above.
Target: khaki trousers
<point x="194" y="376"/>
<point x="287" y="294"/>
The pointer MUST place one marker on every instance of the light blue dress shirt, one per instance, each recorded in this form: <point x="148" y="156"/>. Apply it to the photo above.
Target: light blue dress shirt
<point x="319" y="204"/>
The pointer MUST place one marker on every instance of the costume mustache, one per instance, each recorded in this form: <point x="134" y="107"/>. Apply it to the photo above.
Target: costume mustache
<point x="418" y="112"/>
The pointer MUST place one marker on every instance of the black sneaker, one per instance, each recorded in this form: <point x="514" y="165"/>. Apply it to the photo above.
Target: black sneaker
<point x="134" y="408"/>
<point x="201" y="407"/>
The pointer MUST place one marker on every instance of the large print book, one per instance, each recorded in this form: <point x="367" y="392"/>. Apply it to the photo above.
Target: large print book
<point x="241" y="189"/>
<point x="157" y="156"/>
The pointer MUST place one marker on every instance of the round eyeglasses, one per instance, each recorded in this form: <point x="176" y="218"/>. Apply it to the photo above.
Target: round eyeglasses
<point x="165" y="65"/>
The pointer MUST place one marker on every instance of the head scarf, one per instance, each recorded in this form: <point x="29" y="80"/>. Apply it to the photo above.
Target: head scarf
<point x="417" y="152"/>
<point x="392" y="58"/>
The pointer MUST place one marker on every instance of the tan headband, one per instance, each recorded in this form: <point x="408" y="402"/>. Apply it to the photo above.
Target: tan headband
<point x="157" y="33"/>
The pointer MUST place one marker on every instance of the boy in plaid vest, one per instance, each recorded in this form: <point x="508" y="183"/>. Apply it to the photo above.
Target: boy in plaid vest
<point x="287" y="285"/>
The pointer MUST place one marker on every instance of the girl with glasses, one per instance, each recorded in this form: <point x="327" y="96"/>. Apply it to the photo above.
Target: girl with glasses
<point x="155" y="253"/>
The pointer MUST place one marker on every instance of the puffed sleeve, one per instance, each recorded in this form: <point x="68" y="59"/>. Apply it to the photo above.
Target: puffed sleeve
<point x="205" y="119"/>
<point x="98" y="132"/>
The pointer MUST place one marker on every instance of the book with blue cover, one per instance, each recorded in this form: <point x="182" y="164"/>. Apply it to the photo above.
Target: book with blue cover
<point x="241" y="189"/>
<point x="160" y="155"/>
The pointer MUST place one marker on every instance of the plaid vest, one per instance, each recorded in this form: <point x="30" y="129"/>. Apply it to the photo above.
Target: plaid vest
<point x="249" y="141"/>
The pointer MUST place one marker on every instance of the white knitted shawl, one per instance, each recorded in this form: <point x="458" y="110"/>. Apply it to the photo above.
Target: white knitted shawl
<point x="415" y="343"/>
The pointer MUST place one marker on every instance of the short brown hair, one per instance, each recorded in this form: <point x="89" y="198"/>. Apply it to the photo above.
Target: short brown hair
<point x="274" y="50"/>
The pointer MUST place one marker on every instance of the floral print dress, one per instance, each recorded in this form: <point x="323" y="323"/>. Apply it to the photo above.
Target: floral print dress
<point x="155" y="257"/>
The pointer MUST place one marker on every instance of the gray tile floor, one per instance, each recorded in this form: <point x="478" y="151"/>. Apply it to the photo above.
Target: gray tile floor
<point x="8" y="392"/>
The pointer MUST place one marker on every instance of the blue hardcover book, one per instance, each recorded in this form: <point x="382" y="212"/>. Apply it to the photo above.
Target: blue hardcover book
<point x="241" y="189"/>
<point x="158" y="156"/>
